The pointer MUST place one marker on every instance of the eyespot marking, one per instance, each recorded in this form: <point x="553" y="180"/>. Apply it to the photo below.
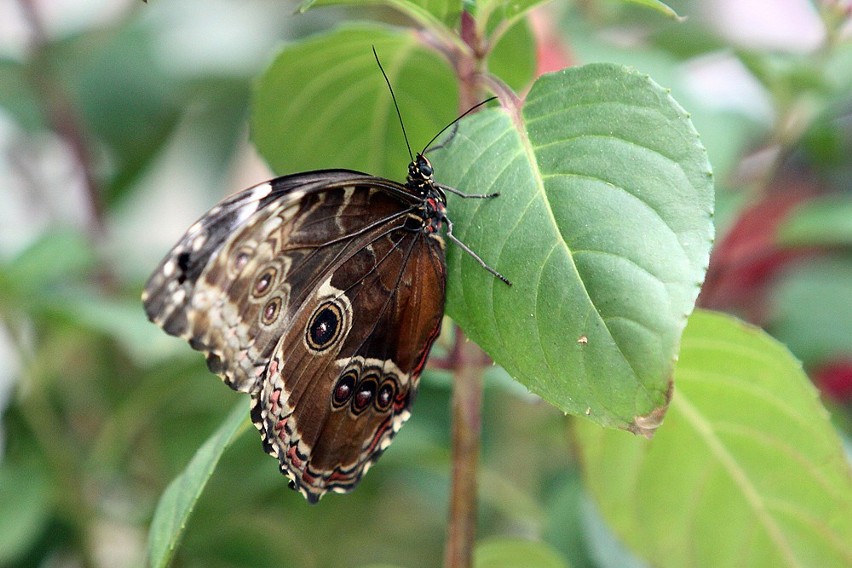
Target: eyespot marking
<point x="342" y="392"/>
<point x="263" y="283"/>
<point x="270" y="311"/>
<point x="364" y="395"/>
<point x="386" y="393"/>
<point x="325" y="326"/>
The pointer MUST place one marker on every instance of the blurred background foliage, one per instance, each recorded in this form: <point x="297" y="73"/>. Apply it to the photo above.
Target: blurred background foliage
<point x="111" y="108"/>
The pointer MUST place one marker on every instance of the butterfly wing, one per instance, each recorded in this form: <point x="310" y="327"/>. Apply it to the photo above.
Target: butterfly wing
<point x="340" y="382"/>
<point x="318" y="294"/>
<point x="201" y="291"/>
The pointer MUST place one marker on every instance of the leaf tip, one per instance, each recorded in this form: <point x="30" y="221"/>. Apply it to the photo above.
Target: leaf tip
<point x="646" y="424"/>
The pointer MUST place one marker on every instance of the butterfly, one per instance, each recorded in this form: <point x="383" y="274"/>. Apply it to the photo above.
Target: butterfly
<point x="320" y="294"/>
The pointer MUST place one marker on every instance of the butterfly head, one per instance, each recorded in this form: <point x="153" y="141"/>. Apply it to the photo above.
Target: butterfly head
<point x="420" y="175"/>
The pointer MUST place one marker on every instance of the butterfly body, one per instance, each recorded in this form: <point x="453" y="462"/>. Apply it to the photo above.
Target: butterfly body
<point x="319" y="294"/>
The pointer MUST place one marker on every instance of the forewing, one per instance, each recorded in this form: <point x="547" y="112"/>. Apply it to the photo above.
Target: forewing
<point x="236" y="261"/>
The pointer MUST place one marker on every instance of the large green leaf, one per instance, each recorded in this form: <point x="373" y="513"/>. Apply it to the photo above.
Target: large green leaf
<point x="323" y="103"/>
<point x="178" y="501"/>
<point x="604" y="224"/>
<point x="748" y="470"/>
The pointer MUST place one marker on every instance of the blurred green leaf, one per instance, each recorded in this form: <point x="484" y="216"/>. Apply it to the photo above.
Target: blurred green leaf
<point x="513" y="58"/>
<point x="127" y="98"/>
<point x="607" y="550"/>
<point x="516" y="553"/>
<point x="436" y="16"/>
<point x="604" y="225"/>
<point x="495" y="14"/>
<point x="178" y="501"/>
<point x="747" y="469"/>
<point x="338" y="110"/>
<point x="838" y="68"/>
<point x="811" y="309"/>
<point x="24" y="509"/>
<point x="687" y="40"/>
<point x="660" y="7"/>
<point x="123" y="320"/>
<point x="564" y="527"/>
<point x="57" y="257"/>
<point x="17" y="98"/>
<point x="825" y="221"/>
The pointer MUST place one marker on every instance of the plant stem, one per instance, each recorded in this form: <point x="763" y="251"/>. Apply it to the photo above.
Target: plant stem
<point x="467" y="359"/>
<point x="62" y="116"/>
<point x="467" y="426"/>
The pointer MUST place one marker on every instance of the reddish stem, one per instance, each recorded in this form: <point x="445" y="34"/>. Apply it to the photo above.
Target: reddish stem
<point x="469" y="361"/>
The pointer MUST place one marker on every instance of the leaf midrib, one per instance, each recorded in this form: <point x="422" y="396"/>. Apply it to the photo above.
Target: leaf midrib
<point x="540" y="193"/>
<point x="738" y="475"/>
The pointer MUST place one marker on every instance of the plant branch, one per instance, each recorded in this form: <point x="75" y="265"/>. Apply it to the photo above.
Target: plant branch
<point x="61" y="115"/>
<point x="469" y="361"/>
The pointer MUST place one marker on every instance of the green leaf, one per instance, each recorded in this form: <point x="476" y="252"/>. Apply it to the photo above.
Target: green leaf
<point x="323" y="102"/>
<point x="496" y="14"/>
<point x="56" y="258"/>
<point x="17" y="97"/>
<point x="513" y="58"/>
<point x="661" y="7"/>
<point x="604" y="225"/>
<point x="431" y="14"/>
<point x="178" y="501"/>
<point x="121" y="319"/>
<point x="825" y="221"/>
<point x="24" y="509"/>
<point x="604" y="546"/>
<point x="516" y="553"/>
<point x="747" y="470"/>
<point x="811" y="311"/>
<point x="133" y="129"/>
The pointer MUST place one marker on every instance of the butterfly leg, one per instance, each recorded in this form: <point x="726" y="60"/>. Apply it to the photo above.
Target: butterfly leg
<point x="454" y="191"/>
<point x="469" y="251"/>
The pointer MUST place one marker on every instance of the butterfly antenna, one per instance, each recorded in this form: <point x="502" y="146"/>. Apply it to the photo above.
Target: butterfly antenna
<point x="456" y="121"/>
<point x="395" y="105"/>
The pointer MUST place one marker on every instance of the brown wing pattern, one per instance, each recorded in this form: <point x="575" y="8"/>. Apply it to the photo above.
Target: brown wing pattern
<point x="202" y="290"/>
<point x="319" y="295"/>
<point x="328" y="408"/>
